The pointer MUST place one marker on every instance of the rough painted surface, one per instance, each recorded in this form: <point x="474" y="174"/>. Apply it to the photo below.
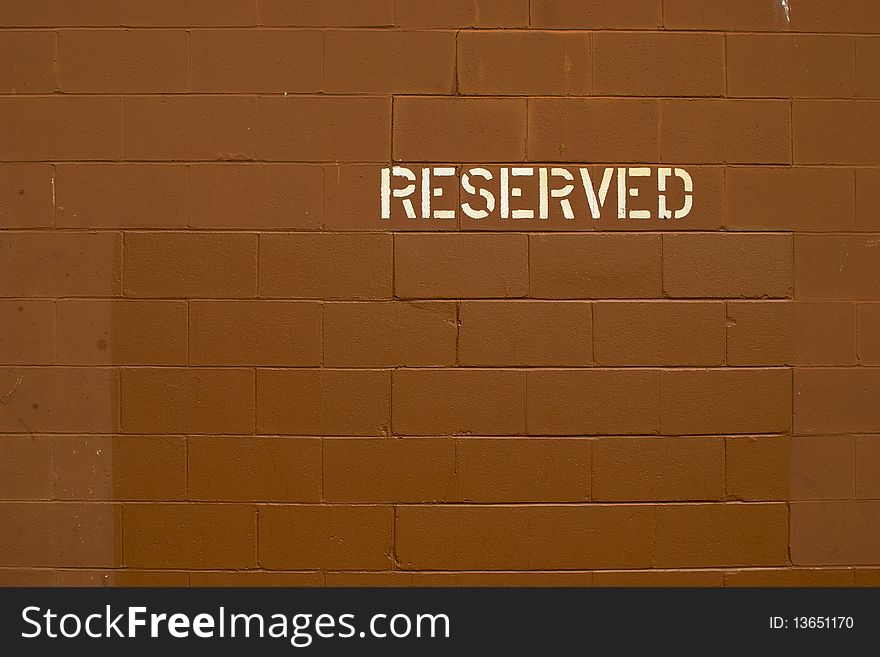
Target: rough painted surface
<point x="220" y="366"/>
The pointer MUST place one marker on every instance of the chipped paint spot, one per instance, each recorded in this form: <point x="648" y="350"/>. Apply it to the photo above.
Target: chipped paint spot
<point x="11" y="391"/>
<point x="786" y="9"/>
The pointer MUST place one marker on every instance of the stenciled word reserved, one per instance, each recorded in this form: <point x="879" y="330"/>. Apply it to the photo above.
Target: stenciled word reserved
<point x="523" y="192"/>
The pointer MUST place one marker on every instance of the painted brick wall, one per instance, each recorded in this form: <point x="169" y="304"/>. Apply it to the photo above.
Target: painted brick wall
<point x="219" y="366"/>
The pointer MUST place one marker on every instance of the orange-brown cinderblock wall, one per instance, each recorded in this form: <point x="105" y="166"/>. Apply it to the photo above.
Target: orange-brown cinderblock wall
<point x="219" y="366"/>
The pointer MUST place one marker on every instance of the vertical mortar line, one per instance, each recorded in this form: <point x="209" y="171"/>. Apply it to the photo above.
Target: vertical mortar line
<point x="659" y="106"/>
<point x="654" y="535"/>
<point x="55" y="68"/>
<point x="855" y="49"/>
<point x="455" y="64"/>
<point x="857" y="310"/>
<point x="122" y="265"/>
<point x="395" y="565"/>
<point x="788" y="509"/>
<point x="592" y="442"/>
<point x="186" y="440"/>
<point x="662" y="268"/>
<point x="259" y="248"/>
<point x="724" y="217"/>
<point x="391" y="141"/>
<point x="322" y="439"/>
<point x="855" y="192"/>
<point x="122" y="535"/>
<point x="660" y="404"/>
<point x="456" y="459"/>
<point x="323" y="57"/>
<point x="54" y="192"/>
<point x="189" y="75"/>
<point x="323" y="216"/>
<point x="724" y="60"/>
<point x="856" y="440"/>
<point x="726" y="331"/>
<point x="591" y="37"/>
<point x="122" y="126"/>
<point x="188" y="318"/>
<point x="259" y="13"/>
<point x="528" y="265"/>
<point x="189" y="195"/>
<point x="390" y="432"/>
<point x="724" y="471"/>
<point x="855" y="465"/>
<point x="54" y="467"/>
<point x="257" y="537"/>
<point x="458" y="333"/>
<point x="592" y="333"/>
<point x="54" y="331"/>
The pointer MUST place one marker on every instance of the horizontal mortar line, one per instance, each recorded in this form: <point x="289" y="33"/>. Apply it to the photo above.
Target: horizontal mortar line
<point x="173" y="162"/>
<point x="342" y="93"/>
<point x="412" y="227"/>
<point x="542" y="233"/>
<point x="774" y="31"/>
<point x="360" y="570"/>
<point x="435" y="434"/>
<point x="63" y="230"/>
<point x="398" y="231"/>
<point x="648" y="568"/>
<point x="537" y="569"/>
<point x="571" y="162"/>
<point x="432" y="300"/>
<point x="436" y="368"/>
<point x="473" y="570"/>
<point x="391" y="94"/>
<point x="500" y="505"/>
<point x="439" y="436"/>
<point x="173" y="569"/>
<point x="437" y="299"/>
<point x="457" y="503"/>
